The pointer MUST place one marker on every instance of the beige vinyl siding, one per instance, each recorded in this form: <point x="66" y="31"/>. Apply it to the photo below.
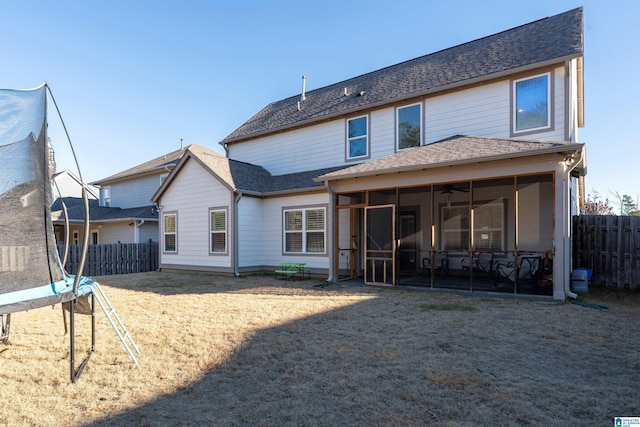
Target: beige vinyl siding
<point x="191" y="195"/>
<point x="135" y="192"/>
<point x="299" y="150"/>
<point x="272" y="243"/>
<point x="114" y="232"/>
<point x="382" y="132"/>
<point x="148" y="231"/>
<point x="483" y="110"/>
<point x="250" y="232"/>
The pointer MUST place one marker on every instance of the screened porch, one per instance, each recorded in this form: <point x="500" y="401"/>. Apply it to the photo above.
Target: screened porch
<point x="494" y="235"/>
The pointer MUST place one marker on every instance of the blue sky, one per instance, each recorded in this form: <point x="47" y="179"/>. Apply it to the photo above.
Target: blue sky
<point x="132" y="78"/>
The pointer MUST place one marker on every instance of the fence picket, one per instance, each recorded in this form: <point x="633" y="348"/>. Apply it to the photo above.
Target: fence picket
<point x="117" y="258"/>
<point x="610" y="246"/>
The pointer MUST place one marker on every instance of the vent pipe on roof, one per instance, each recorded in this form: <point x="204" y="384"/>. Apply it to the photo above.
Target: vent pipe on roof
<point x="181" y="144"/>
<point x="304" y="82"/>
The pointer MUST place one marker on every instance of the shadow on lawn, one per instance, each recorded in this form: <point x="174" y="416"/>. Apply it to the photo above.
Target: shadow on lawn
<point x="177" y="283"/>
<point x="403" y="361"/>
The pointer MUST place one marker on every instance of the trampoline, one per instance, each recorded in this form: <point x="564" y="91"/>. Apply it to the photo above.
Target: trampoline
<point x="31" y="271"/>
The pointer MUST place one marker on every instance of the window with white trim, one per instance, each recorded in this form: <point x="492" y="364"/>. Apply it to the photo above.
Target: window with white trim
<point x="218" y="230"/>
<point x="409" y="126"/>
<point x="170" y="232"/>
<point x="488" y="227"/>
<point x="304" y="231"/>
<point x="105" y="193"/>
<point x="532" y="103"/>
<point x="357" y="138"/>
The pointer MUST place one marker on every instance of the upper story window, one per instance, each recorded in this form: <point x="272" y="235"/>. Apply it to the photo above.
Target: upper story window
<point x="409" y="126"/>
<point x="357" y="138"/>
<point x="304" y="231"/>
<point x="532" y="103"/>
<point x="106" y="196"/>
<point x="170" y="232"/>
<point x="218" y="230"/>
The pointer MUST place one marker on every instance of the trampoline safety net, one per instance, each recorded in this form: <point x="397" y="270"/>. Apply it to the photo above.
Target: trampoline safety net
<point x="31" y="274"/>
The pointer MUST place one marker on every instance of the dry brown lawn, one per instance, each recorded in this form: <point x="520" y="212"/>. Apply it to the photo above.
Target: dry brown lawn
<point x="220" y="350"/>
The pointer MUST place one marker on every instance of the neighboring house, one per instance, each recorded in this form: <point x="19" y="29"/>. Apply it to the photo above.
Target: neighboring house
<point x="68" y="184"/>
<point x="123" y="212"/>
<point x="450" y="170"/>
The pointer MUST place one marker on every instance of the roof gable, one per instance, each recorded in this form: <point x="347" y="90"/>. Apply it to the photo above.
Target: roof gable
<point x="159" y="164"/>
<point x="245" y="177"/>
<point x="538" y="43"/>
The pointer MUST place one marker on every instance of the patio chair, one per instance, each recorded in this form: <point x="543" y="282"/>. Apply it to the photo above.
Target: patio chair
<point x="483" y="263"/>
<point x="527" y="271"/>
<point x="440" y="265"/>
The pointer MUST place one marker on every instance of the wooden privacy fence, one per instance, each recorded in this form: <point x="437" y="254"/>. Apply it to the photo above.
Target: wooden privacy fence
<point x="610" y="246"/>
<point x="117" y="258"/>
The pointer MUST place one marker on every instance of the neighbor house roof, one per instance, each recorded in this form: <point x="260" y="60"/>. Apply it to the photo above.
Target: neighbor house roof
<point x="456" y="150"/>
<point x="163" y="163"/>
<point x="245" y="177"/>
<point x="540" y="43"/>
<point x="97" y="213"/>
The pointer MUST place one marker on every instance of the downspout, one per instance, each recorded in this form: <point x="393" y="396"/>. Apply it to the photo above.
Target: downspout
<point x="567" y="218"/>
<point x="331" y="235"/>
<point x="137" y="236"/>
<point x="236" y="250"/>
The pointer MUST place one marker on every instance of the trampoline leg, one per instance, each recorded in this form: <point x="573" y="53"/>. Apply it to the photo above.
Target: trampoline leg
<point x="72" y="334"/>
<point x="75" y="374"/>
<point x="5" y="325"/>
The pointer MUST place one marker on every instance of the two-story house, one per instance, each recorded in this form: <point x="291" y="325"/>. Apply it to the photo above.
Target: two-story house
<point x="459" y="169"/>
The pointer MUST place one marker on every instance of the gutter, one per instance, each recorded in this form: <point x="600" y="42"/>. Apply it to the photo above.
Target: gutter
<point x="417" y="167"/>
<point x="566" y="217"/>
<point x="236" y="250"/>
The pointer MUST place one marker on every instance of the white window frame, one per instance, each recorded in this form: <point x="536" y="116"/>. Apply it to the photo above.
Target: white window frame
<point x="479" y="232"/>
<point x="165" y="233"/>
<point x="304" y="231"/>
<point x="473" y="232"/>
<point x="349" y="139"/>
<point x="514" y="102"/>
<point x="213" y="232"/>
<point x="106" y="196"/>
<point x="397" y="126"/>
<point x="458" y="230"/>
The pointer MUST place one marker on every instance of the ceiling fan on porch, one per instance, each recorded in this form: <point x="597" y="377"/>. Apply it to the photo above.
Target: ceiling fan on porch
<point x="450" y="188"/>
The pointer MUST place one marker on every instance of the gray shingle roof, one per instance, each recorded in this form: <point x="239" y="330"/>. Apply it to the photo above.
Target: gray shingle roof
<point x="453" y="151"/>
<point x="245" y="177"/>
<point x="159" y="163"/>
<point x="98" y="213"/>
<point x="540" y="42"/>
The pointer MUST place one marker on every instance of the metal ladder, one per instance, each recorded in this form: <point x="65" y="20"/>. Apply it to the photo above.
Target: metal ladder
<point x="115" y="321"/>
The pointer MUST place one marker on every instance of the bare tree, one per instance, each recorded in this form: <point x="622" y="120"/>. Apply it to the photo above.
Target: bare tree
<point x="594" y="205"/>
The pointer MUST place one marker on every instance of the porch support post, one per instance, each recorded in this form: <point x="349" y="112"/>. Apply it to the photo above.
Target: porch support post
<point x="332" y="238"/>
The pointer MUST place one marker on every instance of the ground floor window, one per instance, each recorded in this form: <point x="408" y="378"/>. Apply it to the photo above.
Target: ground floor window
<point x="218" y="230"/>
<point x="170" y="232"/>
<point x="304" y="230"/>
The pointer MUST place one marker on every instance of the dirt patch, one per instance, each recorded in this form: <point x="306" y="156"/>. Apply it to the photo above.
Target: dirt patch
<point x="259" y="351"/>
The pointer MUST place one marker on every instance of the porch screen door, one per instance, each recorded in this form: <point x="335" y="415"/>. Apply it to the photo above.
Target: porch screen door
<point x="380" y="245"/>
